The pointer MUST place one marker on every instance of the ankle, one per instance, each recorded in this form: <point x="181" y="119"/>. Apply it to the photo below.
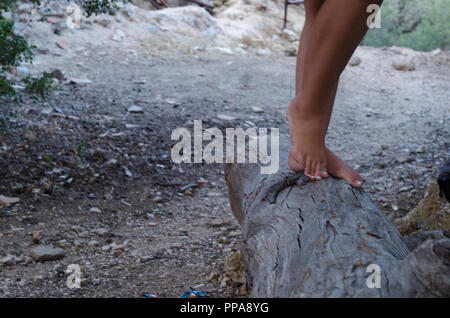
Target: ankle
<point x="300" y="108"/>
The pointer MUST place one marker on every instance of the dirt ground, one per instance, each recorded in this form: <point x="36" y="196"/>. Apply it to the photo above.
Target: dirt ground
<point x="98" y="181"/>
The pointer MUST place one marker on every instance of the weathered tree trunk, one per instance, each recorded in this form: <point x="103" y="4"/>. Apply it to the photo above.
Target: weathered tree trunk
<point x="317" y="239"/>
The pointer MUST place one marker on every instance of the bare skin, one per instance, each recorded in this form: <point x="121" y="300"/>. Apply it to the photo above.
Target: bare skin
<point x="332" y="31"/>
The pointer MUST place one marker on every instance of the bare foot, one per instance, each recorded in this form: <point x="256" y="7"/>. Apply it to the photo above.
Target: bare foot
<point x="307" y="131"/>
<point x="338" y="168"/>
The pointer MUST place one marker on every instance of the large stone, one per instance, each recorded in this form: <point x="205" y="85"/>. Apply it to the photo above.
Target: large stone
<point x="46" y="253"/>
<point x="403" y="64"/>
<point x="354" y="61"/>
<point x="135" y="109"/>
<point x="7" y="200"/>
<point x="7" y="260"/>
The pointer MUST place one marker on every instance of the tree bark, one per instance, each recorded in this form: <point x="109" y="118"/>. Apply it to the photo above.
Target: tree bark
<point x="316" y="239"/>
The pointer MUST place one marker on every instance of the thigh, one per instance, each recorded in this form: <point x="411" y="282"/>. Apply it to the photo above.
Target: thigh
<point x="312" y="7"/>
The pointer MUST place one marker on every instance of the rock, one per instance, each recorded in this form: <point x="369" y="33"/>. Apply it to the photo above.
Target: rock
<point x="7" y="260"/>
<point x="225" y="117"/>
<point x="224" y="282"/>
<point x="36" y="237"/>
<point x="234" y="267"/>
<point x="354" y="61"/>
<point x="79" y="81"/>
<point x="224" y="50"/>
<point x="46" y="253"/>
<point x="157" y="199"/>
<point x="58" y="110"/>
<point x="297" y="28"/>
<point x="256" y="109"/>
<point x="128" y="13"/>
<point x="106" y="248"/>
<point x="23" y="71"/>
<point x="117" y="249"/>
<point x="151" y="28"/>
<point x="111" y="162"/>
<point x="213" y="277"/>
<point x="93" y="243"/>
<point x="63" y="243"/>
<point x="58" y="74"/>
<point x="92" y="196"/>
<point x="47" y="110"/>
<point x="42" y="50"/>
<point x="131" y="126"/>
<point x="289" y="35"/>
<point x="202" y="182"/>
<point x="291" y="50"/>
<point x="52" y="20"/>
<point x="135" y="109"/>
<point x="421" y="149"/>
<point x="219" y="223"/>
<point x="62" y="44"/>
<point x="24" y="8"/>
<point x="83" y="234"/>
<point x="103" y="20"/>
<point x="263" y="52"/>
<point x="429" y="215"/>
<point x="128" y="173"/>
<point x="403" y="64"/>
<point x="95" y="210"/>
<point x="209" y="32"/>
<point x="118" y="36"/>
<point x="100" y="231"/>
<point x="7" y="200"/>
<point x="18" y="26"/>
<point x="18" y="87"/>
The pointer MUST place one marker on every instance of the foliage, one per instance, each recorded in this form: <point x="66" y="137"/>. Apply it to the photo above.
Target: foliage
<point x="15" y="49"/>
<point x="420" y="25"/>
<point x="99" y="6"/>
<point x="39" y="86"/>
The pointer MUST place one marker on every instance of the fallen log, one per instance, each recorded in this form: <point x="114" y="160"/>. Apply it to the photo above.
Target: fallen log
<point x="318" y="239"/>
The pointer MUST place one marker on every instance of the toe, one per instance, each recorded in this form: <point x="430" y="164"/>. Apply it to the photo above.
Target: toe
<point x="352" y="177"/>
<point x="308" y="168"/>
<point x="315" y="171"/>
<point x="294" y="164"/>
<point x="338" y="168"/>
<point x="320" y="170"/>
<point x="357" y="183"/>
